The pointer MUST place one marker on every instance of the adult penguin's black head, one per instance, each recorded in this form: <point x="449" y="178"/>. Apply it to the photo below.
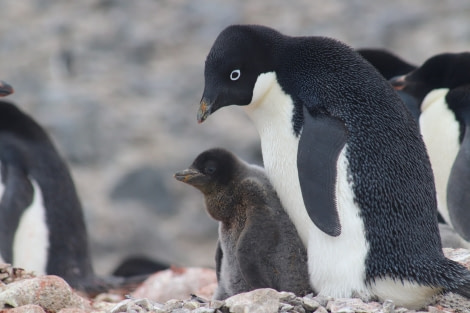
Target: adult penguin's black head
<point x="5" y="89"/>
<point x="211" y="171"/>
<point x="239" y="55"/>
<point x="446" y="70"/>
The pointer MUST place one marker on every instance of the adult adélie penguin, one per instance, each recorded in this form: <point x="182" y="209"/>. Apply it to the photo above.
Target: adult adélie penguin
<point x="346" y="159"/>
<point x="440" y="86"/>
<point x="42" y="228"/>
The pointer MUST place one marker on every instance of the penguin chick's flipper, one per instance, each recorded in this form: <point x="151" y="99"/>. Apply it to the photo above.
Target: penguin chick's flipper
<point x="253" y="254"/>
<point x="322" y="139"/>
<point x="218" y="260"/>
<point x="458" y="195"/>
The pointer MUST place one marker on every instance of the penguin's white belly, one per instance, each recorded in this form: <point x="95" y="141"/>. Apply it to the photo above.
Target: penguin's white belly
<point x="440" y="131"/>
<point x="31" y="241"/>
<point x="336" y="264"/>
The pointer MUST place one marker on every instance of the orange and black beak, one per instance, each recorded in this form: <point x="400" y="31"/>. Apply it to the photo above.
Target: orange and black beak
<point x="5" y="89"/>
<point x="398" y="82"/>
<point x="188" y="176"/>
<point x="205" y="109"/>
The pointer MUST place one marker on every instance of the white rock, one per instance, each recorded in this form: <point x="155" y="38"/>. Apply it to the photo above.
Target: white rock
<point x="264" y="300"/>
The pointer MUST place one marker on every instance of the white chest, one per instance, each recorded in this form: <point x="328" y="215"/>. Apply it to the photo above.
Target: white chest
<point x="31" y="241"/>
<point x="440" y="131"/>
<point x="336" y="264"/>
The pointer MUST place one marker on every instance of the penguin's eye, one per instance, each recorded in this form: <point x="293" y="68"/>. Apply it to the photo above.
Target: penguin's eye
<point x="235" y="74"/>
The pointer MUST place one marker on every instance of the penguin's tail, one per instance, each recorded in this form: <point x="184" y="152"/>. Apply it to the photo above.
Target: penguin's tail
<point x="459" y="282"/>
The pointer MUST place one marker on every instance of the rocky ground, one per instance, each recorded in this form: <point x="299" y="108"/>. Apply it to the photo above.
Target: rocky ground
<point x="117" y="84"/>
<point x="188" y="290"/>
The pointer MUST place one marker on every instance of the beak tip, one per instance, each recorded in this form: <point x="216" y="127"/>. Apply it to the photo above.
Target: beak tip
<point x="205" y="109"/>
<point x="5" y="89"/>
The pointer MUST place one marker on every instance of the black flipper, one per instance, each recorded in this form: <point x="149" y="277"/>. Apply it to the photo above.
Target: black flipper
<point x="458" y="186"/>
<point x="322" y="139"/>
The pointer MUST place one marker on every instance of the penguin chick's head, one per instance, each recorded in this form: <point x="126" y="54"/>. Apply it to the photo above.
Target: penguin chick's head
<point x="239" y="55"/>
<point x="211" y="171"/>
<point x="5" y="89"/>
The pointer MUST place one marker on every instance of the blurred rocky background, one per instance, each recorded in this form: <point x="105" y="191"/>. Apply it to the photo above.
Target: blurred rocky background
<point x="117" y="84"/>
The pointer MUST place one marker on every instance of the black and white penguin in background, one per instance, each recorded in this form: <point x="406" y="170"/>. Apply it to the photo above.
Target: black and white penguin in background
<point x="42" y="226"/>
<point x="440" y="87"/>
<point x="346" y="159"/>
<point x="258" y="246"/>
<point x="390" y="66"/>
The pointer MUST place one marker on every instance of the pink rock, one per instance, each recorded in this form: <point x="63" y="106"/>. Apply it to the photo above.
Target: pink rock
<point x="178" y="283"/>
<point x="50" y="292"/>
<point x="29" y="308"/>
<point x="459" y="255"/>
<point x="73" y="310"/>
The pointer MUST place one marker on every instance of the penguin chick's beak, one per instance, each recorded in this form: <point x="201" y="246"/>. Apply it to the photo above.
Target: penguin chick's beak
<point x="398" y="82"/>
<point x="187" y="175"/>
<point x="205" y="109"/>
<point x="5" y="89"/>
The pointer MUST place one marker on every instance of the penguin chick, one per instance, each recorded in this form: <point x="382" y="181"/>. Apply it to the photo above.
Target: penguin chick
<point x="346" y="159"/>
<point x="258" y="245"/>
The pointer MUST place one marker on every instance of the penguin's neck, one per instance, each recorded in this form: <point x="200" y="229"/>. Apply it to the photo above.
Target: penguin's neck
<point x="440" y="130"/>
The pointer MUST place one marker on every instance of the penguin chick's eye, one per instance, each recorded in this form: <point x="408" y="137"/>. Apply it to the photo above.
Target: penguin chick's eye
<point x="210" y="170"/>
<point x="235" y="74"/>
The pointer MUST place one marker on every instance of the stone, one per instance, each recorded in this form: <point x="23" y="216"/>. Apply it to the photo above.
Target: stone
<point x="310" y="304"/>
<point x="323" y="300"/>
<point x="73" y="310"/>
<point x="203" y="310"/>
<point x="176" y="283"/>
<point x="285" y="307"/>
<point x="388" y="306"/>
<point x="173" y="304"/>
<point x="459" y="255"/>
<point x="321" y="310"/>
<point x="216" y="304"/>
<point x="28" y="308"/>
<point x="50" y="292"/>
<point x="263" y="300"/>
<point x="347" y="305"/>
<point x="191" y="305"/>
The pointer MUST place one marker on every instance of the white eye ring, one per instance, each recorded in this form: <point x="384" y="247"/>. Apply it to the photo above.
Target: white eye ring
<point x="235" y="75"/>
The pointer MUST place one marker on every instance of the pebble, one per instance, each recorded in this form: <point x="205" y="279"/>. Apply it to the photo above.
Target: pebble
<point x="310" y="304"/>
<point x="388" y="306"/>
<point x="53" y="295"/>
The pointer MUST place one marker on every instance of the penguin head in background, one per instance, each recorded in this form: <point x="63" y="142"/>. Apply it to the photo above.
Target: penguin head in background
<point x="446" y="70"/>
<point x="232" y="68"/>
<point x="211" y="171"/>
<point x="387" y="63"/>
<point x="5" y="89"/>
